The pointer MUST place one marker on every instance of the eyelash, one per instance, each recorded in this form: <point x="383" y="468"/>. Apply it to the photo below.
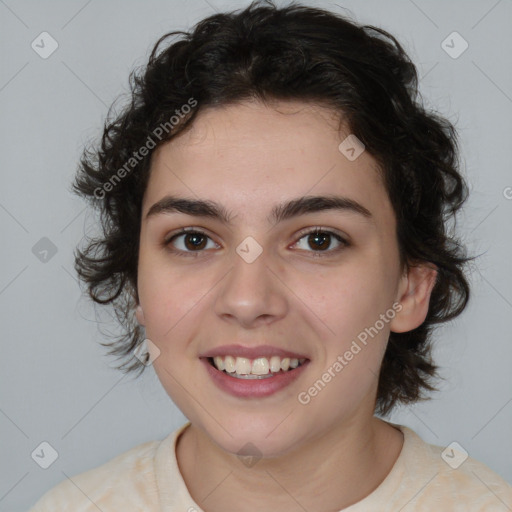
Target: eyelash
<point x="302" y="234"/>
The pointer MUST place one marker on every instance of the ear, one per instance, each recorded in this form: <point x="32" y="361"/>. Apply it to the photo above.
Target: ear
<point x="139" y="314"/>
<point x="414" y="292"/>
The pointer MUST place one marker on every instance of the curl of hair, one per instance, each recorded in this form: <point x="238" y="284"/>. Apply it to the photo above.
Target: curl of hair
<point x="289" y="53"/>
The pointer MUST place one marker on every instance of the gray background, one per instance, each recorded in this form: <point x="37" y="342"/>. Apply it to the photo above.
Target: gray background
<point x="56" y="384"/>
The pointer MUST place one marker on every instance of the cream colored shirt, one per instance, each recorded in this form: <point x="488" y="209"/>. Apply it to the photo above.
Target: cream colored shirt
<point x="146" y="478"/>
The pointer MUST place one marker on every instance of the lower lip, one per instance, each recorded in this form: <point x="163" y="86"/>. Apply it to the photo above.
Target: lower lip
<point x="252" y="388"/>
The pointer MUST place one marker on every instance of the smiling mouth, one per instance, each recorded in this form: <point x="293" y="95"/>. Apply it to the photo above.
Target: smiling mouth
<point x="260" y="368"/>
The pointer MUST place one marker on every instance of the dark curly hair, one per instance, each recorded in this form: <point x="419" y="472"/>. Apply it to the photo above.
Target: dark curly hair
<point x="268" y="53"/>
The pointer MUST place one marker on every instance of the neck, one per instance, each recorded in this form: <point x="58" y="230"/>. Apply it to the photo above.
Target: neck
<point x="330" y="472"/>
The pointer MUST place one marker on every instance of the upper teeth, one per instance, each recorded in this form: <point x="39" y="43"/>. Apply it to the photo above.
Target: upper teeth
<point x="259" y="366"/>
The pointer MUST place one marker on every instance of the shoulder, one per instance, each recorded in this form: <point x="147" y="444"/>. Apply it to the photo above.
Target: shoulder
<point x="125" y="482"/>
<point x="449" y="476"/>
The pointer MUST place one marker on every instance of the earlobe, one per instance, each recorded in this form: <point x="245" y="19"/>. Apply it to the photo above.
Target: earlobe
<point x="414" y="296"/>
<point x="139" y="315"/>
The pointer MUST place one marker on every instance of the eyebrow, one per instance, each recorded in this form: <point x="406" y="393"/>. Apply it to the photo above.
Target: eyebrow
<point x="280" y="212"/>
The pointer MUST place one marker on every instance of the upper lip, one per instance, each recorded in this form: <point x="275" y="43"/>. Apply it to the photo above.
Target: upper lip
<point x="251" y="352"/>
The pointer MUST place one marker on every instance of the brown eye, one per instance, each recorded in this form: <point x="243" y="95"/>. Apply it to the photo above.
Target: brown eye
<point x="193" y="241"/>
<point x="189" y="241"/>
<point x="320" y="241"/>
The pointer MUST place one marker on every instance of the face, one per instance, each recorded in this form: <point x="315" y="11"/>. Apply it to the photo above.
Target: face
<point x="305" y="283"/>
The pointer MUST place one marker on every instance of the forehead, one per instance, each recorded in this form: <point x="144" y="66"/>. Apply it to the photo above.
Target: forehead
<point x="249" y="155"/>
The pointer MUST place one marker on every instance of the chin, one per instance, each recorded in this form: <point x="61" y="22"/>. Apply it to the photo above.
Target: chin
<point x="257" y="445"/>
<point x="263" y="436"/>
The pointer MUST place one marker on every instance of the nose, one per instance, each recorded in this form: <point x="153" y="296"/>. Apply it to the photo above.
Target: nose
<point x="252" y="294"/>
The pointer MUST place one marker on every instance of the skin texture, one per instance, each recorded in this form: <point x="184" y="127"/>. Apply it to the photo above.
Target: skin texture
<point x="332" y="452"/>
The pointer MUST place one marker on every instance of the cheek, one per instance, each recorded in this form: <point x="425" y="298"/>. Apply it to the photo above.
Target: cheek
<point x="356" y="298"/>
<point x="352" y="298"/>
<point x="353" y="353"/>
<point x="172" y="298"/>
<point x="162" y="298"/>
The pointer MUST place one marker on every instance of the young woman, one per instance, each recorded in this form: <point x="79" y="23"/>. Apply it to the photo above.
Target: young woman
<point x="274" y="204"/>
